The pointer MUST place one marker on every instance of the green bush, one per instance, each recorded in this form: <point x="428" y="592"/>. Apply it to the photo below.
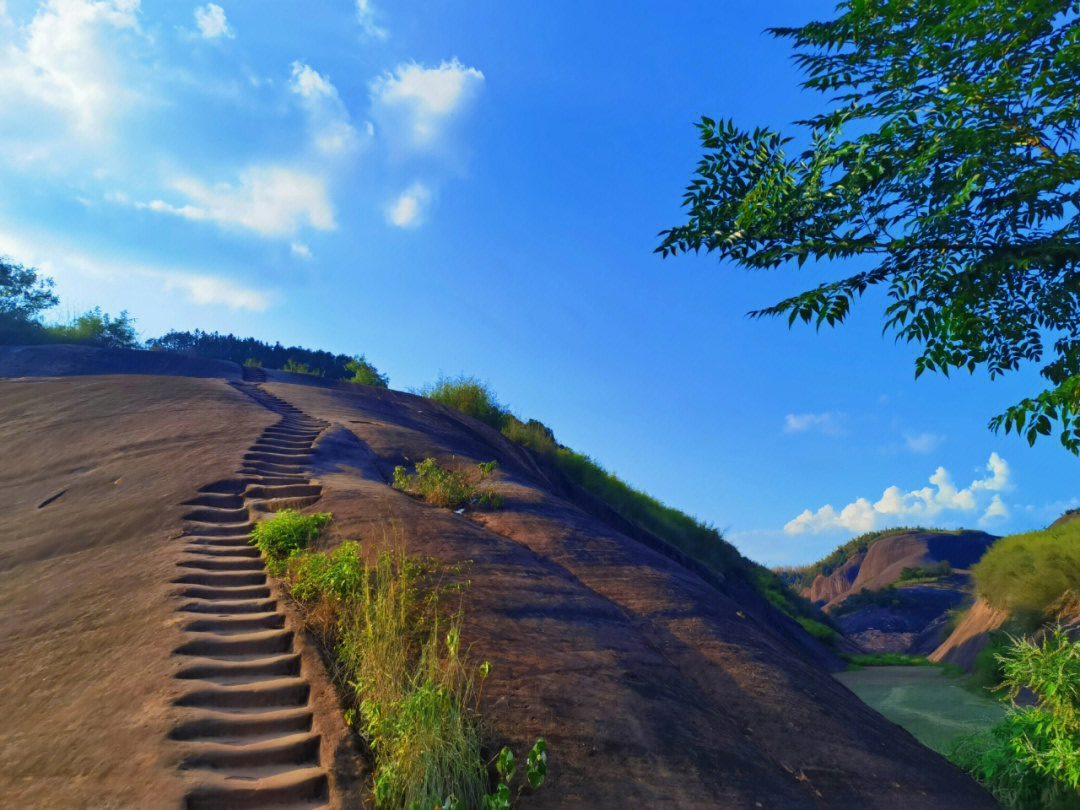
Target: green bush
<point x="302" y="368"/>
<point x="450" y="488"/>
<point x="1031" y="760"/>
<point x="1028" y="573"/>
<point x="468" y="395"/>
<point x="336" y="576"/>
<point x="926" y="573"/>
<point x="363" y="373"/>
<point x="887" y="597"/>
<point x="285" y="535"/>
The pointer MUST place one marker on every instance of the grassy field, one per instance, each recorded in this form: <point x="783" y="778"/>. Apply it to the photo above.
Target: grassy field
<point x="934" y="708"/>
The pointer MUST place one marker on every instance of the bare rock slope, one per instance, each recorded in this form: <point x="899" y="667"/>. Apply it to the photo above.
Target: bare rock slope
<point x="654" y="686"/>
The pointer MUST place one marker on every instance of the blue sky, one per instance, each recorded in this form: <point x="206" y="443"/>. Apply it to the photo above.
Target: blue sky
<point x="454" y="187"/>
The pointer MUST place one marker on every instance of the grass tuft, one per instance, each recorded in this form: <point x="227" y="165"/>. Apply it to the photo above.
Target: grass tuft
<point x="285" y="535"/>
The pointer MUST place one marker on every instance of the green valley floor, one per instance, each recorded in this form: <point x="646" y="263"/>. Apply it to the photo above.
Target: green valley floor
<point x="936" y="709"/>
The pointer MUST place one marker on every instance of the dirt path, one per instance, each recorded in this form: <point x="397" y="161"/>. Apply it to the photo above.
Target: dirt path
<point x="247" y="731"/>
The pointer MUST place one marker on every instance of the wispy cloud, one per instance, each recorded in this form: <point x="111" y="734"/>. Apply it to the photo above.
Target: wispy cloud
<point x="898" y="505"/>
<point x="331" y="129"/>
<point x="269" y="200"/>
<point x="922" y="442"/>
<point x="199" y="287"/>
<point x="366" y="15"/>
<point x="211" y="22"/>
<point x="300" y="251"/>
<point x="70" y="63"/>
<point x="407" y="211"/>
<point x="829" y="423"/>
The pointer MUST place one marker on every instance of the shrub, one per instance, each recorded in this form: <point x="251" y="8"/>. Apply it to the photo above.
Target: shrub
<point x="887" y="597"/>
<point x="285" y="535"/>
<point x="95" y="328"/>
<point x="926" y="573"/>
<point x="468" y="395"/>
<point x="302" y="368"/>
<point x="450" y="488"/>
<point x="1028" y="573"/>
<point x="363" y="373"/>
<point x="1032" y="758"/>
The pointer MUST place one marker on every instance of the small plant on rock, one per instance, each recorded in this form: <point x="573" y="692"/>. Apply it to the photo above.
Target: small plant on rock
<point x="285" y="535"/>
<point x="450" y="488"/>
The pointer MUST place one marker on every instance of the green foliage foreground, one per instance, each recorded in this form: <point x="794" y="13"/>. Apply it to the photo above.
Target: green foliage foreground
<point x="1029" y="573"/>
<point x="947" y="158"/>
<point x="395" y="653"/>
<point x="1031" y="760"/>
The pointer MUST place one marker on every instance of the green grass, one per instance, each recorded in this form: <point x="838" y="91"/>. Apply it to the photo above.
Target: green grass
<point x="1029" y="573"/>
<point x="820" y="631"/>
<point x="936" y="709"/>
<point x="699" y="541"/>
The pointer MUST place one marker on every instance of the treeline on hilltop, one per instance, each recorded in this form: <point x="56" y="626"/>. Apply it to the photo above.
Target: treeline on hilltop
<point x="252" y="352"/>
<point x="25" y="296"/>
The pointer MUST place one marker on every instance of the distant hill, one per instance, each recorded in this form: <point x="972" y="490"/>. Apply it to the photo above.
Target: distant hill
<point x="892" y="591"/>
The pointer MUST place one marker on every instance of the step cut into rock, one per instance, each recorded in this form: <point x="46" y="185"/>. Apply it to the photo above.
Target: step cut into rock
<point x="247" y="735"/>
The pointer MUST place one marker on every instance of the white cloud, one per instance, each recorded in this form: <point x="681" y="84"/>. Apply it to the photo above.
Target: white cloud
<point x="999" y="478"/>
<point x="269" y="200"/>
<point x="366" y="16"/>
<point x="202" y="289"/>
<point x="922" y="442"/>
<point x="300" y="250"/>
<point x="419" y="104"/>
<point x="828" y="423"/>
<point x="995" y="512"/>
<point x="897" y="505"/>
<point x="211" y="21"/>
<point x="70" y="63"/>
<point x="408" y="210"/>
<point x="331" y="131"/>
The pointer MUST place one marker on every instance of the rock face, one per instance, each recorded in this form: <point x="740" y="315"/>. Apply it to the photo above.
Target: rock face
<point x="654" y="686"/>
<point x="969" y="638"/>
<point x="913" y="618"/>
<point x="826" y="589"/>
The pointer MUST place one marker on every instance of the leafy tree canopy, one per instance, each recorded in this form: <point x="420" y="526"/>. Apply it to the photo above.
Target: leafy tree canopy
<point x="947" y="156"/>
<point x="22" y="294"/>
